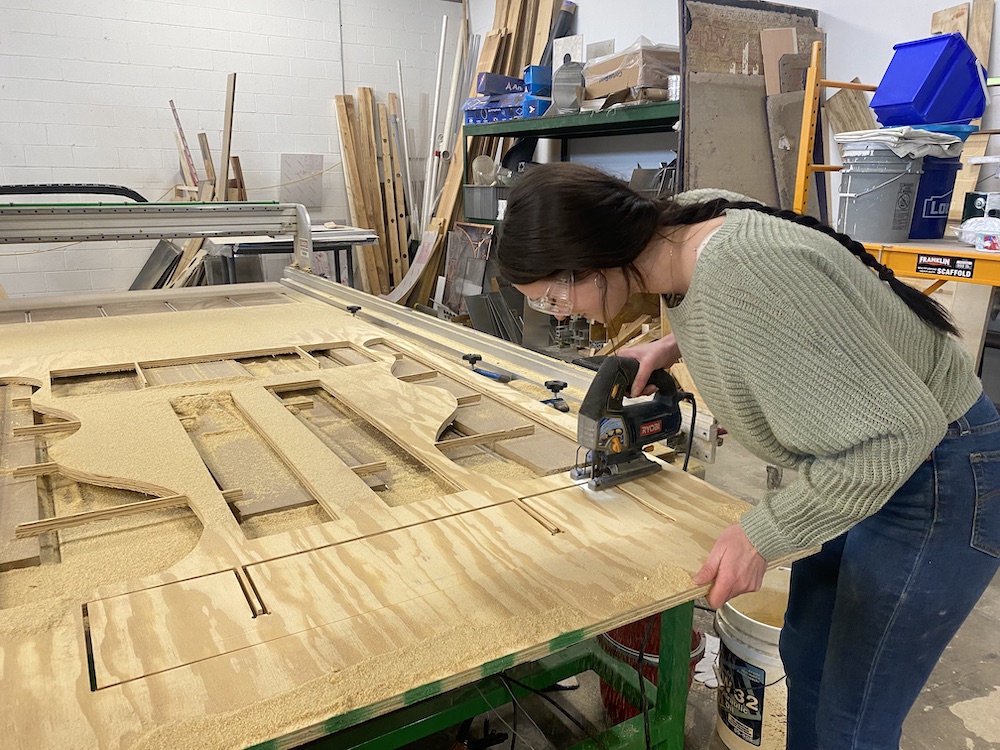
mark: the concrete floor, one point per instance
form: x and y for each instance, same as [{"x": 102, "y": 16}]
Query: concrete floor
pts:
[{"x": 959, "y": 708}]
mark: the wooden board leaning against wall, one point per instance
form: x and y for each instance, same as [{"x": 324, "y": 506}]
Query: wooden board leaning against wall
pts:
[{"x": 259, "y": 512}]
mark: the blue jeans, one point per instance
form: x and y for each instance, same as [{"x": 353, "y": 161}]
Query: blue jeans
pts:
[{"x": 871, "y": 613}]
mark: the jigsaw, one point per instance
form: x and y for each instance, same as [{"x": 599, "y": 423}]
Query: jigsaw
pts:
[{"x": 614, "y": 433}]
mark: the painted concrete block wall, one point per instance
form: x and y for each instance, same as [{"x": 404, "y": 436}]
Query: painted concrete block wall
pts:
[{"x": 85, "y": 85}]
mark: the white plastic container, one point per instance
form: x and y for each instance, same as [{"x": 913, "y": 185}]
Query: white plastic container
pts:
[{"x": 752, "y": 693}]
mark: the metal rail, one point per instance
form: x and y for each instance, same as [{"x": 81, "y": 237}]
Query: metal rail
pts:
[{"x": 71, "y": 223}]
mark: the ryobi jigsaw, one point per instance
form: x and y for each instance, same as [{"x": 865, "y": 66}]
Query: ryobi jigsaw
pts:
[{"x": 614, "y": 434}]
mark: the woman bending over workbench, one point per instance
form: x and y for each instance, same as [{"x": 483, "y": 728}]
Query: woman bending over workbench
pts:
[{"x": 815, "y": 358}]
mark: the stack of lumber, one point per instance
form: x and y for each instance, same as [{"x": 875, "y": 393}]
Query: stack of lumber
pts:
[
  {"x": 520, "y": 32},
  {"x": 216, "y": 185},
  {"x": 373, "y": 171}
]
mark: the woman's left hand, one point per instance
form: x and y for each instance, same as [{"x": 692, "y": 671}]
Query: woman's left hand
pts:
[{"x": 734, "y": 565}]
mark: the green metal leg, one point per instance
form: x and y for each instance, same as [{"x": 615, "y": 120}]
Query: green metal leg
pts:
[{"x": 667, "y": 701}]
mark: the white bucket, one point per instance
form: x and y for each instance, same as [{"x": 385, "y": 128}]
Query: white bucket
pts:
[
  {"x": 752, "y": 692},
  {"x": 877, "y": 193}
]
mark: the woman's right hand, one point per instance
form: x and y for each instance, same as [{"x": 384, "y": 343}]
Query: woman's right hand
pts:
[{"x": 656, "y": 355}]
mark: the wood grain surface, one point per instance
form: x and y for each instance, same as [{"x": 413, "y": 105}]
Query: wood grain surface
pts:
[{"x": 224, "y": 630}]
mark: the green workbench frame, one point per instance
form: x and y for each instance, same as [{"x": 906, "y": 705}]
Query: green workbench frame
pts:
[{"x": 429, "y": 710}]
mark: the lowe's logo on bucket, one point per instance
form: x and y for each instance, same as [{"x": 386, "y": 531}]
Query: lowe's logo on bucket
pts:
[{"x": 936, "y": 206}]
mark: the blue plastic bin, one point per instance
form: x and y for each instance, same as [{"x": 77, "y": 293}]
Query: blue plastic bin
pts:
[
  {"x": 930, "y": 207},
  {"x": 959, "y": 131},
  {"x": 933, "y": 80}
]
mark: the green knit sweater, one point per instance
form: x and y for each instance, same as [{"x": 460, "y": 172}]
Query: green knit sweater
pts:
[{"x": 814, "y": 364}]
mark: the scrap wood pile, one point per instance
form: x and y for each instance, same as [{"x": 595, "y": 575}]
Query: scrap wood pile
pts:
[
  {"x": 180, "y": 263},
  {"x": 520, "y": 33}
]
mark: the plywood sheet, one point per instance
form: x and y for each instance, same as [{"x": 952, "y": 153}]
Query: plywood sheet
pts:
[
  {"x": 256, "y": 630},
  {"x": 784, "y": 121},
  {"x": 728, "y": 141},
  {"x": 723, "y": 36},
  {"x": 950, "y": 20}
]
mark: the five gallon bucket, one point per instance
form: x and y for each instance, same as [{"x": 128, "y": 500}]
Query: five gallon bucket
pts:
[
  {"x": 624, "y": 643},
  {"x": 752, "y": 694},
  {"x": 930, "y": 210},
  {"x": 877, "y": 193}
]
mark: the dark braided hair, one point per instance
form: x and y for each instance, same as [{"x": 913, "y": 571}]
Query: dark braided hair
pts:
[{"x": 570, "y": 217}]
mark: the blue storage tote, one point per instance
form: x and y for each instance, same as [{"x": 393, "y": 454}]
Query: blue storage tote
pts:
[
  {"x": 933, "y": 80},
  {"x": 930, "y": 207}
]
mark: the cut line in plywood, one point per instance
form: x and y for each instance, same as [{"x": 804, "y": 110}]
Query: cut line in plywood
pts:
[
  {"x": 211, "y": 615},
  {"x": 360, "y": 445},
  {"x": 238, "y": 453}
]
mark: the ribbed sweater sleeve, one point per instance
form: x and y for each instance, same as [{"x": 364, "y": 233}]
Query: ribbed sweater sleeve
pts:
[{"x": 814, "y": 364}]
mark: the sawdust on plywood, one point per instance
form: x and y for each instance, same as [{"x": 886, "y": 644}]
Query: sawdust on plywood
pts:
[
  {"x": 451, "y": 656},
  {"x": 649, "y": 587},
  {"x": 124, "y": 549},
  {"x": 290, "y": 519}
]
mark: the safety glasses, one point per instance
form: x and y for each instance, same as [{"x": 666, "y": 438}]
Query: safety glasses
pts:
[{"x": 558, "y": 297}]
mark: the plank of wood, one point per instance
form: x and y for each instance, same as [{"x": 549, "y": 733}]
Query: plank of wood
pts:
[
  {"x": 222, "y": 182},
  {"x": 389, "y": 193},
  {"x": 396, "y": 160},
  {"x": 368, "y": 167},
  {"x": 968, "y": 176},
  {"x": 48, "y": 428},
  {"x": 547, "y": 11},
  {"x": 206, "y": 157},
  {"x": 241, "y": 187},
  {"x": 774, "y": 43},
  {"x": 34, "y": 528},
  {"x": 483, "y": 438},
  {"x": 847, "y": 110},
  {"x": 981, "y": 29},
  {"x": 35, "y": 470},
  {"x": 426, "y": 255},
  {"x": 186, "y": 159},
  {"x": 950, "y": 20},
  {"x": 186, "y": 172},
  {"x": 355, "y": 191}
]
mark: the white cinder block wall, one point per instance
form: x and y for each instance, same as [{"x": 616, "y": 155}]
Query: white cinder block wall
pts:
[{"x": 85, "y": 85}]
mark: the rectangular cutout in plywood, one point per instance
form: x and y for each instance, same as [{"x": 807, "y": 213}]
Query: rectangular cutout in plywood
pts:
[
  {"x": 91, "y": 381},
  {"x": 165, "y": 627},
  {"x": 66, "y": 313},
  {"x": 341, "y": 354},
  {"x": 239, "y": 456},
  {"x": 357, "y": 442}
]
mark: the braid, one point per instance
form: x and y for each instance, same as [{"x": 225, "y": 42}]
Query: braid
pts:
[{"x": 928, "y": 310}]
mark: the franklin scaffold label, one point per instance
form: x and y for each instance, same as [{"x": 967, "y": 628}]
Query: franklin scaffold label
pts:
[
  {"x": 741, "y": 696},
  {"x": 941, "y": 265}
]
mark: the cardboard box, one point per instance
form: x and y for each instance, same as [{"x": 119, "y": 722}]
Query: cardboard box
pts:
[
  {"x": 644, "y": 65},
  {"x": 483, "y": 109},
  {"x": 494, "y": 84},
  {"x": 535, "y": 106}
]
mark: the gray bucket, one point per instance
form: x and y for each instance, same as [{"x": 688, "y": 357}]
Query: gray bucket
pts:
[{"x": 877, "y": 193}]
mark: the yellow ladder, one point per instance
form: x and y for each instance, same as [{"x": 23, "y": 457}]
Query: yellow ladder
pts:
[{"x": 807, "y": 139}]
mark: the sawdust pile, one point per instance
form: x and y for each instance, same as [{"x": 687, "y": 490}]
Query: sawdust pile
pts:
[{"x": 372, "y": 683}]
